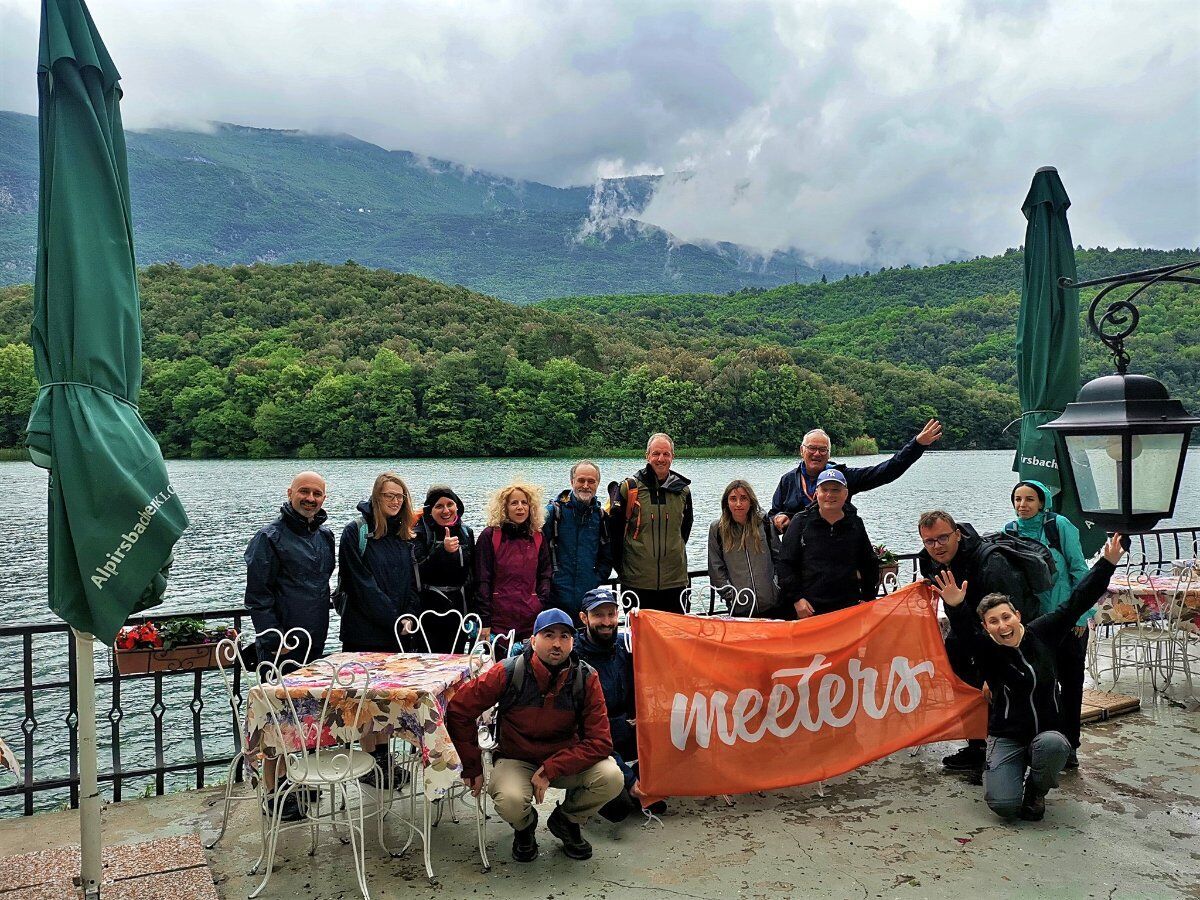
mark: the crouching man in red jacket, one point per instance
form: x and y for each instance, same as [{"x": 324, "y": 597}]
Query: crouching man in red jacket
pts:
[{"x": 553, "y": 733}]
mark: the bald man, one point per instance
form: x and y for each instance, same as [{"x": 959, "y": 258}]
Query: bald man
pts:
[{"x": 288, "y": 565}]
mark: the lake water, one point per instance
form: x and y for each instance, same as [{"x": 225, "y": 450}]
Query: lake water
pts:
[{"x": 228, "y": 501}]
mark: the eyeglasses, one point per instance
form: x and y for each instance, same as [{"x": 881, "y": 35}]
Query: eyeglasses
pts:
[
  {"x": 940, "y": 541},
  {"x": 392, "y": 497},
  {"x": 824, "y": 451}
]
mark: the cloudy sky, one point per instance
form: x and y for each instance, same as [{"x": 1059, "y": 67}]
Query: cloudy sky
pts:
[{"x": 859, "y": 130}]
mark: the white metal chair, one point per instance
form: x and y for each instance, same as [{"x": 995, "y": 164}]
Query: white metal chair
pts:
[
  {"x": 890, "y": 583},
  {"x": 739, "y": 602},
  {"x": 470, "y": 628},
  {"x": 229, "y": 660},
  {"x": 334, "y": 770},
  {"x": 1156, "y": 640}
]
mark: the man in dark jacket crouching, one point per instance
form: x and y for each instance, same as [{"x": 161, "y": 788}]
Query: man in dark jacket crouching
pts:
[{"x": 553, "y": 733}]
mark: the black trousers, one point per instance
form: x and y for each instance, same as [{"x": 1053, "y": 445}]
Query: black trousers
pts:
[
  {"x": 664, "y": 601},
  {"x": 1070, "y": 660}
]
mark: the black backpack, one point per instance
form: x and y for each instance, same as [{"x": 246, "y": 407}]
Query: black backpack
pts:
[
  {"x": 517, "y": 667},
  {"x": 1049, "y": 528},
  {"x": 1032, "y": 559}
]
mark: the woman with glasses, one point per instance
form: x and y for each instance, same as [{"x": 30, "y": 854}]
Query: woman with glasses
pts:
[
  {"x": 446, "y": 565},
  {"x": 376, "y": 569},
  {"x": 743, "y": 551}
]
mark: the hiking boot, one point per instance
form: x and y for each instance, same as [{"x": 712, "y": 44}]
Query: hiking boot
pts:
[
  {"x": 1072, "y": 760},
  {"x": 969, "y": 759},
  {"x": 619, "y": 807},
  {"x": 394, "y": 772},
  {"x": 1033, "y": 804},
  {"x": 291, "y": 806},
  {"x": 525, "y": 847},
  {"x": 568, "y": 832}
]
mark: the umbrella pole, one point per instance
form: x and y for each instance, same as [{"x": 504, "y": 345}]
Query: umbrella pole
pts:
[{"x": 89, "y": 794}]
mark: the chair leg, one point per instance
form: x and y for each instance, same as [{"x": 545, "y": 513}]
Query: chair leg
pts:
[
  {"x": 426, "y": 839},
  {"x": 228, "y": 799},
  {"x": 357, "y": 847},
  {"x": 273, "y": 837},
  {"x": 481, "y": 827}
]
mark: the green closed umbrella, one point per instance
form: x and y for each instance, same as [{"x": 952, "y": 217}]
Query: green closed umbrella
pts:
[
  {"x": 1048, "y": 346},
  {"x": 113, "y": 514}
]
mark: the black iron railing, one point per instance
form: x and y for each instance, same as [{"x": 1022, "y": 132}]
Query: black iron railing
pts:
[{"x": 49, "y": 695}]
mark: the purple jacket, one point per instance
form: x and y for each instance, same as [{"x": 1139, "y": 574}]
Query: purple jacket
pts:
[{"x": 514, "y": 577}]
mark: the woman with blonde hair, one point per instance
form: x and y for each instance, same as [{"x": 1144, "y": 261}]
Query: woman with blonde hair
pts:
[
  {"x": 376, "y": 570},
  {"x": 743, "y": 550},
  {"x": 512, "y": 563}
]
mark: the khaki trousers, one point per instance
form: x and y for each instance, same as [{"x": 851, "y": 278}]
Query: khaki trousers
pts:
[{"x": 511, "y": 789}]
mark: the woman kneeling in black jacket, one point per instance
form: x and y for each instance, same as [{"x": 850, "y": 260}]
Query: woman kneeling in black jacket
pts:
[{"x": 1018, "y": 665}]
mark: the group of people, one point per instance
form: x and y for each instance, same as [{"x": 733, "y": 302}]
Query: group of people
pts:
[{"x": 538, "y": 570}]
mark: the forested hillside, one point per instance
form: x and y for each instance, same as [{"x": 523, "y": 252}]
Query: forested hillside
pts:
[
  {"x": 343, "y": 360},
  {"x": 246, "y": 195}
]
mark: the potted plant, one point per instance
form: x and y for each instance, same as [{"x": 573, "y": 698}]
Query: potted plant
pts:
[
  {"x": 889, "y": 564},
  {"x": 174, "y": 646}
]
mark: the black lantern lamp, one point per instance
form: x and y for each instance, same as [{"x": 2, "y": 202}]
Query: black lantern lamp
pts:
[{"x": 1126, "y": 438}]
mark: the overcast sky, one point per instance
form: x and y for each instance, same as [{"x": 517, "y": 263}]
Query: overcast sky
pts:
[{"x": 859, "y": 130}]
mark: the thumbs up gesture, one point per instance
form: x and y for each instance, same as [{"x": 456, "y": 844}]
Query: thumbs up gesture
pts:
[{"x": 450, "y": 542}]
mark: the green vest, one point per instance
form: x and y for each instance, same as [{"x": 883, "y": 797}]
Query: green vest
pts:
[{"x": 654, "y": 556}]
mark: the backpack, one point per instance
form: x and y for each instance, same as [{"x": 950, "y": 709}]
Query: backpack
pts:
[
  {"x": 537, "y": 541},
  {"x": 1049, "y": 528},
  {"x": 339, "y": 596},
  {"x": 631, "y": 502},
  {"x": 516, "y": 668},
  {"x": 1032, "y": 559}
]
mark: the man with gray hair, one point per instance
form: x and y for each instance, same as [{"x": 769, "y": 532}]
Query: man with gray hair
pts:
[
  {"x": 576, "y": 531},
  {"x": 798, "y": 488},
  {"x": 650, "y": 518}
]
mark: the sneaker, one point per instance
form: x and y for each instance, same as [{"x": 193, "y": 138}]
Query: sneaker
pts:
[
  {"x": 568, "y": 832},
  {"x": 525, "y": 848},
  {"x": 1033, "y": 804},
  {"x": 1072, "y": 760},
  {"x": 969, "y": 759},
  {"x": 658, "y": 807}
]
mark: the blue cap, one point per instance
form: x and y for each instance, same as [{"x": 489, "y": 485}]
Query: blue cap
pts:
[
  {"x": 548, "y": 617},
  {"x": 598, "y": 597},
  {"x": 832, "y": 475}
]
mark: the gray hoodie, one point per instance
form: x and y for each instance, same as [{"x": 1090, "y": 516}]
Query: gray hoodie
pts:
[{"x": 736, "y": 569}]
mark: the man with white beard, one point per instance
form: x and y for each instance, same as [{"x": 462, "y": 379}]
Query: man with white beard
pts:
[{"x": 577, "y": 533}]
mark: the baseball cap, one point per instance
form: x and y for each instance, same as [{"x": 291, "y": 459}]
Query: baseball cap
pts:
[
  {"x": 548, "y": 617},
  {"x": 832, "y": 475},
  {"x": 598, "y": 597}
]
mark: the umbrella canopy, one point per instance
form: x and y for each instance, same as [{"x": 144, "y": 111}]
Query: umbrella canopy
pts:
[
  {"x": 113, "y": 515},
  {"x": 1048, "y": 346}
]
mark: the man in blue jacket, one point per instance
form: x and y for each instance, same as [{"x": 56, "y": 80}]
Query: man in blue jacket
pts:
[
  {"x": 577, "y": 533},
  {"x": 600, "y": 645},
  {"x": 288, "y": 565},
  {"x": 797, "y": 489}
]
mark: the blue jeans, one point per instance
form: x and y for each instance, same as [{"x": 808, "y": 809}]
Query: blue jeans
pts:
[{"x": 1007, "y": 759}]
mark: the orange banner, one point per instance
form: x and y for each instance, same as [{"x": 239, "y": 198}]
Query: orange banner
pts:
[{"x": 729, "y": 706}]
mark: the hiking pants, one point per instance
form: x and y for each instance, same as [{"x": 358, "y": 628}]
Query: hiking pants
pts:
[
  {"x": 511, "y": 789},
  {"x": 1004, "y": 777},
  {"x": 1070, "y": 661}
]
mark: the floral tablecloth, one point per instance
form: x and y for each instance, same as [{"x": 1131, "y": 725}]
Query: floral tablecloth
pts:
[
  {"x": 8, "y": 759},
  {"x": 407, "y": 695},
  {"x": 1152, "y": 595}
]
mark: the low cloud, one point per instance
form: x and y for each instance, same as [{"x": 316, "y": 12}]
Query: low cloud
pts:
[{"x": 858, "y": 130}]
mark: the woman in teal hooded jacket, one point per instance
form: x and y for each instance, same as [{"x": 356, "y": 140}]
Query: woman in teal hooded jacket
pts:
[{"x": 1036, "y": 519}]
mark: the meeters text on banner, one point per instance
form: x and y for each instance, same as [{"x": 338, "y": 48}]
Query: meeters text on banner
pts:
[{"x": 729, "y": 706}]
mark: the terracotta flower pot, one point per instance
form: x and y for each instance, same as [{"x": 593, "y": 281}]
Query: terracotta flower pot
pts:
[{"x": 177, "y": 659}]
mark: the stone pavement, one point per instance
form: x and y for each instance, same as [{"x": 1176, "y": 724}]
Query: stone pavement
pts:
[{"x": 1126, "y": 825}]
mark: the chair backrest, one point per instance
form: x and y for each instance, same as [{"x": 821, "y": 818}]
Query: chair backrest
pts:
[
  {"x": 287, "y": 643},
  {"x": 629, "y": 602},
  {"x": 229, "y": 660},
  {"x": 890, "y": 582},
  {"x": 340, "y": 716},
  {"x": 466, "y": 635},
  {"x": 1180, "y": 586},
  {"x": 685, "y": 601}
]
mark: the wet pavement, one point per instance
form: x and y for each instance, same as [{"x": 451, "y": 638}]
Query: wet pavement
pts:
[{"x": 1127, "y": 824}]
